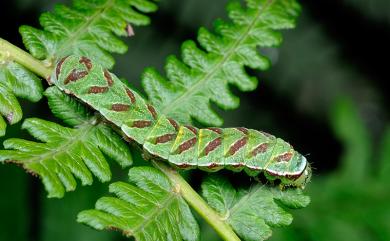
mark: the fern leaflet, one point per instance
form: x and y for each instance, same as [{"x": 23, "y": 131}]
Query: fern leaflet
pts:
[
  {"x": 15, "y": 81},
  {"x": 149, "y": 209},
  {"x": 88, "y": 28},
  {"x": 65, "y": 151},
  {"x": 253, "y": 212},
  {"x": 202, "y": 76}
]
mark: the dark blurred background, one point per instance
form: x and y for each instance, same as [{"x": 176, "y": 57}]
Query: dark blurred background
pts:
[{"x": 327, "y": 94}]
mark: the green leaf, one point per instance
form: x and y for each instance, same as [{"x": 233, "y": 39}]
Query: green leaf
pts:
[
  {"x": 384, "y": 158},
  {"x": 148, "y": 208},
  {"x": 87, "y": 28},
  {"x": 252, "y": 212},
  {"x": 349, "y": 204},
  {"x": 66, "y": 107},
  {"x": 16, "y": 81},
  {"x": 3, "y": 126},
  {"x": 66, "y": 153},
  {"x": 350, "y": 129},
  {"x": 204, "y": 75}
]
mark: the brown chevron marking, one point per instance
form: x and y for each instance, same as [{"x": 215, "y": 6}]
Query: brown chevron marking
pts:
[
  {"x": 141, "y": 124},
  {"x": 59, "y": 66},
  {"x": 213, "y": 165},
  {"x": 108, "y": 77},
  {"x": 243, "y": 130},
  {"x": 238, "y": 145},
  {"x": 174, "y": 124},
  {"x": 131, "y": 95},
  {"x": 184, "y": 165},
  {"x": 286, "y": 157},
  {"x": 165, "y": 138},
  {"x": 212, "y": 145},
  {"x": 87, "y": 62},
  {"x": 152, "y": 111},
  {"x": 260, "y": 149},
  {"x": 187, "y": 145},
  {"x": 128, "y": 139},
  {"x": 192, "y": 129},
  {"x": 97, "y": 90},
  {"x": 216, "y": 130},
  {"x": 75, "y": 75},
  {"x": 120, "y": 107},
  {"x": 294, "y": 176}
]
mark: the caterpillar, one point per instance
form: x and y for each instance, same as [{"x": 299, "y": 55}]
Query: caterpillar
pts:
[{"x": 183, "y": 146}]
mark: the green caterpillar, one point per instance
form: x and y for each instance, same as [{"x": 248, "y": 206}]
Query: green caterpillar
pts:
[{"x": 209, "y": 149}]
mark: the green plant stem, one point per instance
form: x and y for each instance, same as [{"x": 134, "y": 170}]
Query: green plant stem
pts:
[
  {"x": 197, "y": 202},
  {"x": 11, "y": 52}
]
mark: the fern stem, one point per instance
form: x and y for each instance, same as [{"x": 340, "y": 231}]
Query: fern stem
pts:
[
  {"x": 197, "y": 202},
  {"x": 11, "y": 52}
]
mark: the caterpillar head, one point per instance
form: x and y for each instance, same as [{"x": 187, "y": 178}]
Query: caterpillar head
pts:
[
  {"x": 300, "y": 180},
  {"x": 304, "y": 178}
]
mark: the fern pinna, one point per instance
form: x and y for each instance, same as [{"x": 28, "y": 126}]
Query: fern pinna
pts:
[
  {"x": 88, "y": 27},
  {"x": 209, "y": 149}
]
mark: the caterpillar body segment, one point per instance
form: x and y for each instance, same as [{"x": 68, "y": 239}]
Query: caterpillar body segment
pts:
[{"x": 210, "y": 149}]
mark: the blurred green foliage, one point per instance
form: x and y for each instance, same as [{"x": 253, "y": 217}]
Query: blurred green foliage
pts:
[
  {"x": 352, "y": 202},
  {"x": 314, "y": 83}
]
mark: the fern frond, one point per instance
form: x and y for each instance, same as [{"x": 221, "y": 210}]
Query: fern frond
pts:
[
  {"x": 149, "y": 208},
  {"x": 67, "y": 108},
  {"x": 16, "y": 81},
  {"x": 253, "y": 212},
  {"x": 66, "y": 152},
  {"x": 205, "y": 72},
  {"x": 88, "y": 28}
]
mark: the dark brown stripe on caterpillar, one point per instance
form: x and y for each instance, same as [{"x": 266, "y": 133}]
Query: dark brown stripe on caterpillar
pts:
[
  {"x": 260, "y": 149},
  {"x": 216, "y": 130},
  {"x": 187, "y": 145},
  {"x": 75, "y": 75},
  {"x": 120, "y": 107},
  {"x": 131, "y": 95},
  {"x": 152, "y": 111},
  {"x": 286, "y": 157},
  {"x": 174, "y": 124},
  {"x": 97, "y": 90},
  {"x": 184, "y": 165},
  {"x": 213, "y": 166},
  {"x": 87, "y": 62},
  {"x": 165, "y": 138},
  {"x": 238, "y": 145},
  {"x": 212, "y": 145},
  {"x": 59, "y": 66},
  {"x": 243, "y": 130},
  {"x": 141, "y": 124},
  {"x": 192, "y": 129},
  {"x": 108, "y": 78}
]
